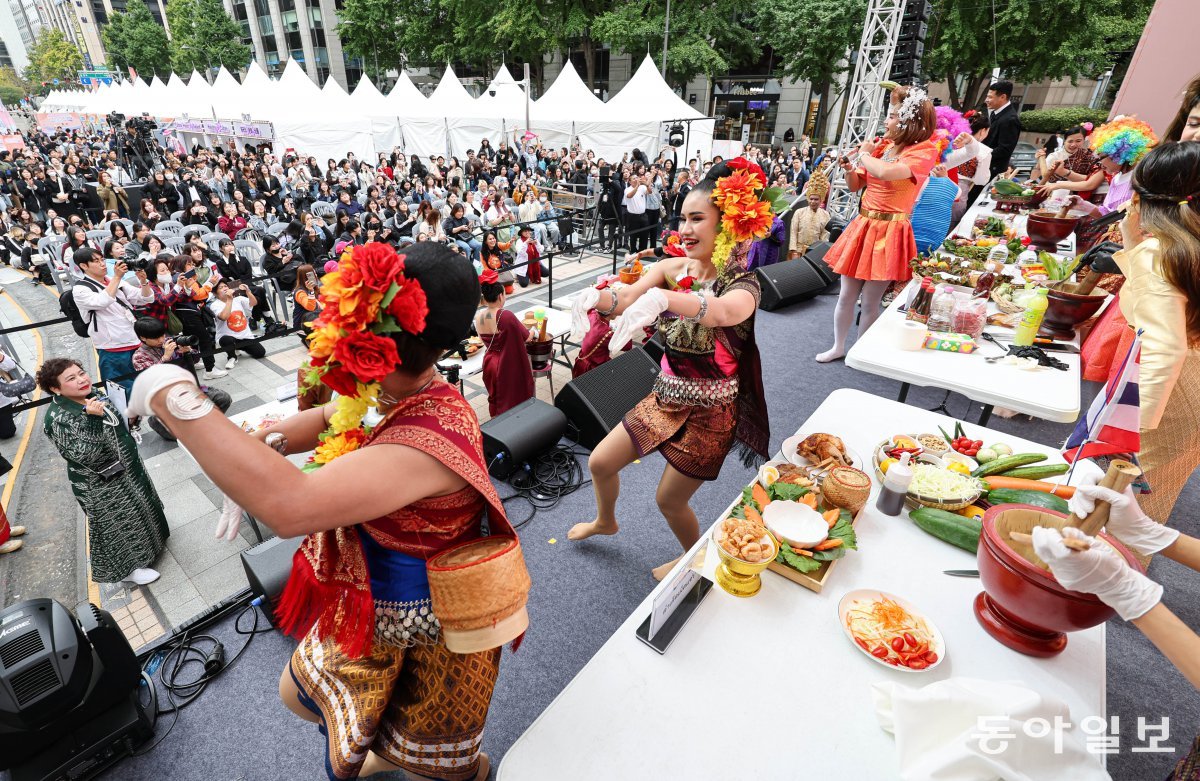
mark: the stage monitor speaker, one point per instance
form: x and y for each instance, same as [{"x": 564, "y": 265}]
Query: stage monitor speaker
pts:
[
  {"x": 789, "y": 282},
  {"x": 655, "y": 348},
  {"x": 596, "y": 401},
  {"x": 816, "y": 256},
  {"x": 268, "y": 566},
  {"x": 519, "y": 434}
]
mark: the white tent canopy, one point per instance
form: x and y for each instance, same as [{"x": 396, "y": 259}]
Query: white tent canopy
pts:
[{"x": 326, "y": 122}]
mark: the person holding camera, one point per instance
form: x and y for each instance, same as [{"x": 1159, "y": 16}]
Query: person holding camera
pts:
[
  {"x": 127, "y": 529},
  {"x": 232, "y": 308},
  {"x": 159, "y": 347},
  {"x": 107, "y": 304}
]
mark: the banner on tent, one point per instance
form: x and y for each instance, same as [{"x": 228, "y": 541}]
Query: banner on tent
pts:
[
  {"x": 216, "y": 127},
  {"x": 6, "y": 121},
  {"x": 53, "y": 120},
  {"x": 189, "y": 125},
  {"x": 12, "y": 142},
  {"x": 260, "y": 130}
]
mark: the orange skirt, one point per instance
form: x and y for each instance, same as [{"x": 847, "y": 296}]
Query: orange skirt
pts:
[{"x": 874, "y": 250}]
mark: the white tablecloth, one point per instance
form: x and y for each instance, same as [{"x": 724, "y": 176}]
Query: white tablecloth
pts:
[
  {"x": 770, "y": 687},
  {"x": 1045, "y": 393}
]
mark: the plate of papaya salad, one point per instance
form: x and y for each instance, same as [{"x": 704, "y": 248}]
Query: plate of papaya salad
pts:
[{"x": 890, "y": 631}]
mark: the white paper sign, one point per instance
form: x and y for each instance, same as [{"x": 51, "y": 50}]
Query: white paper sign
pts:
[{"x": 669, "y": 598}]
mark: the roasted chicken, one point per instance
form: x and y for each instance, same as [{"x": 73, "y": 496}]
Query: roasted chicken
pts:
[{"x": 818, "y": 448}]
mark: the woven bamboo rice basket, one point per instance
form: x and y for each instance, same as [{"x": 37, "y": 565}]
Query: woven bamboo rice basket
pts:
[
  {"x": 479, "y": 590},
  {"x": 846, "y": 487}
]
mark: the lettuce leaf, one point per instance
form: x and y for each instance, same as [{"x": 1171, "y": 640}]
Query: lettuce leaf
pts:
[
  {"x": 842, "y": 530},
  {"x": 795, "y": 560},
  {"x": 788, "y": 492}
]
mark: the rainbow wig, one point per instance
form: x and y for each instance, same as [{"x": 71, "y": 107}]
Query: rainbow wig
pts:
[{"x": 1124, "y": 140}]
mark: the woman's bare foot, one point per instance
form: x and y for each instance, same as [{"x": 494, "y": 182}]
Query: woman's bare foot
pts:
[
  {"x": 831, "y": 355},
  {"x": 663, "y": 570},
  {"x": 581, "y": 531}
]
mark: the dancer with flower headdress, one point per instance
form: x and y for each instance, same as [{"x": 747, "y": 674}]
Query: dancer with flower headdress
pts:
[
  {"x": 875, "y": 249},
  {"x": 709, "y": 393},
  {"x": 388, "y": 671}
]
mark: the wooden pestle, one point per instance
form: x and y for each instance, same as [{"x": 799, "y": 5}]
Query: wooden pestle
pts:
[
  {"x": 1062, "y": 213},
  {"x": 1088, "y": 283},
  {"x": 1120, "y": 476}
]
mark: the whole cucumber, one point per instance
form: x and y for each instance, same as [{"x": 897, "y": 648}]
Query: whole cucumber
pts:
[
  {"x": 1035, "y": 498},
  {"x": 1038, "y": 472},
  {"x": 949, "y": 527},
  {"x": 1001, "y": 465}
]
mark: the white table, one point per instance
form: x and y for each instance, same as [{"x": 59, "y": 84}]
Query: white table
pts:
[
  {"x": 986, "y": 207},
  {"x": 1046, "y": 393},
  {"x": 715, "y": 706}
]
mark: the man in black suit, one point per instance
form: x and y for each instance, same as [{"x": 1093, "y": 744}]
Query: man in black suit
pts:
[{"x": 1004, "y": 125}]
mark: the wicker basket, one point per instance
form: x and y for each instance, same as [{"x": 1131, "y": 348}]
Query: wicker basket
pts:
[
  {"x": 943, "y": 504},
  {"x": 479, "y": 590},
  {"x": 1007, "y": 305},
  {"x": 846, "y": 487}
]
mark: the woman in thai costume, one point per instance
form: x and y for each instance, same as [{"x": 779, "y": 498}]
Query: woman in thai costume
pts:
[
  {"x": 372, "y": 668},
  {"x": 507, "y": 373},
  {"x": 877, "y": 246},
  {"x": 709, "y": 393},
  {"x": 1078, "y": 173}
]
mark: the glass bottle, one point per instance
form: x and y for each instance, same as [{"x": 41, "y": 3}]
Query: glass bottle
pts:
[{"x": 918, "y": 310}]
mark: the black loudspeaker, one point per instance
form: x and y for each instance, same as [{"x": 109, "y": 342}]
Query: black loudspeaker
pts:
[
  {"x": 789, "y": 282},
  {"x": 523, "y": 432},
  {"x": 268, "y": 566},
  {"x": 816, "y": 256},
  {"x": 655, "y": 348},
  {"x": 596, "y": 401}
]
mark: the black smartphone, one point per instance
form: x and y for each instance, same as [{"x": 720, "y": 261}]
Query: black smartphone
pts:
[{"x": 190, "y": 274}]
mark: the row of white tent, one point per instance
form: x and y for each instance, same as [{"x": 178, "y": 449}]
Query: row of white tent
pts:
[{"x": 327, "y": 122}]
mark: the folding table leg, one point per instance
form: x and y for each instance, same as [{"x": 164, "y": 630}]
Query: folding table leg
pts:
[
  {"x": 904, "y": 386},
  {"x": 985, "y": 415}
]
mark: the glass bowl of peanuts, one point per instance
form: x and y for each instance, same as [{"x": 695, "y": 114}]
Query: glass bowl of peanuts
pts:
[{"x": 745, "y": 549}]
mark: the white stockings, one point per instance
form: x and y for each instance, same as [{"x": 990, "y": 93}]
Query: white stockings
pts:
[{"x": 871, "y": 293}]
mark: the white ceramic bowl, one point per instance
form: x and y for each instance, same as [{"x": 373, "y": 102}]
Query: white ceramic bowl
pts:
[
  {"x": 937, "y": 643},
  {"x": 796, "y": 523},
  {"x": 937, "y": 451},
  {"x": 953, "y": 456}
]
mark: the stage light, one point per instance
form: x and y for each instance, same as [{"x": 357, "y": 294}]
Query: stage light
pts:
[
  {"x": 675, "y": 135},
  {"x": 69, "y": 705}
]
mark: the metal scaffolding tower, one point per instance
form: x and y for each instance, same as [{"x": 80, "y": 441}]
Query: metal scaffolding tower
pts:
[{"x": 865, "y": 104}]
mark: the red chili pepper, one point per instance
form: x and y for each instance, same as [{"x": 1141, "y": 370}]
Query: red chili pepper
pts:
[
  {"x": 863, "y": 643},
  {"x": 912, "y": 641},
  {"x": 880, "y": 652},
  {"x": 897, "y": 644}
]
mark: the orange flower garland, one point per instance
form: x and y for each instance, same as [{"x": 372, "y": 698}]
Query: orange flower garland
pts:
[
  {"x": 367, "y": 298},
  {"x": 747, "y": 207}
]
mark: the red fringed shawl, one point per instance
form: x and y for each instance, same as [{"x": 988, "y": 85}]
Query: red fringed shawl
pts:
[{"x": 330, "y": 585}]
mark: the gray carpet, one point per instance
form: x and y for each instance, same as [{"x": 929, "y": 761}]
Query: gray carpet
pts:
[{"x": 238, "y": 729}]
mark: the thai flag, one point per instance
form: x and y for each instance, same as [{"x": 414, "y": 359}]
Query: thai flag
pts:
[{"x": 1112, "y": 424}]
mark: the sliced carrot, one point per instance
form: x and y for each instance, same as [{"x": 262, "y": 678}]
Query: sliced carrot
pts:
[
  {"x": 801, "y": 551},
  {"x": 1024, "y": 484},
  {"x": 832, "y": 517},
  {"x": 759, "y": 494},
  {"x": 828, "y": 544},
  {"x": 752, "y": 514},
  {"x": 810, "y": 499}
]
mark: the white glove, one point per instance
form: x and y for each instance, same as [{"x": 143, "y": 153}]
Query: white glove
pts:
[
  {"x": 1126, "y": 521},
  {"x": 641, "y": 313},
  {"x": 584, "y": 302},
  {"x": 230, "y": 520},
  {"x": 1098, "y": 570},
  {"x": 150, "y": 382}
]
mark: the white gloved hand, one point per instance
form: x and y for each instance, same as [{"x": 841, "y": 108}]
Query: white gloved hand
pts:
[
  {"x": 152, "y": 381},
  {"x": 1126, "y": 521},
  {"x": 585, "y": 301},
  {"x": 230, "y": 520},
  {"x": 641, "y": 313},
  {"x": 1098, "y": 570}
]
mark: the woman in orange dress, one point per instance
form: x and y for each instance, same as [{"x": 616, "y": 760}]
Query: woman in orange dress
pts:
[{"x": 875, "y": 249}]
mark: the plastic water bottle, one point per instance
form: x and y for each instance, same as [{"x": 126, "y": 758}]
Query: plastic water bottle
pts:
[
  {"x": 1031, "y": 318},
  {"x": 998, "y": 254}
]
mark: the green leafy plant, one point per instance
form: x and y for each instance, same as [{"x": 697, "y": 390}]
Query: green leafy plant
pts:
[{"x": 1056, "y": 120}]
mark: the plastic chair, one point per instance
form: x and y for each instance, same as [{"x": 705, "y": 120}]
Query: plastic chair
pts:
[
  {"x": 252, "y": 252},
  {"x": 97, "y": 238},
  {"x": 177, "y": 216},
  {"x": 173, "y": 242},
  {"x": 323, "y": 209},
  {"x": 213, "y": 240},
  {"x": 127, "y": 223},
  {"x": 170, "y": 228},
  {"x": 276, "y": 228}
]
